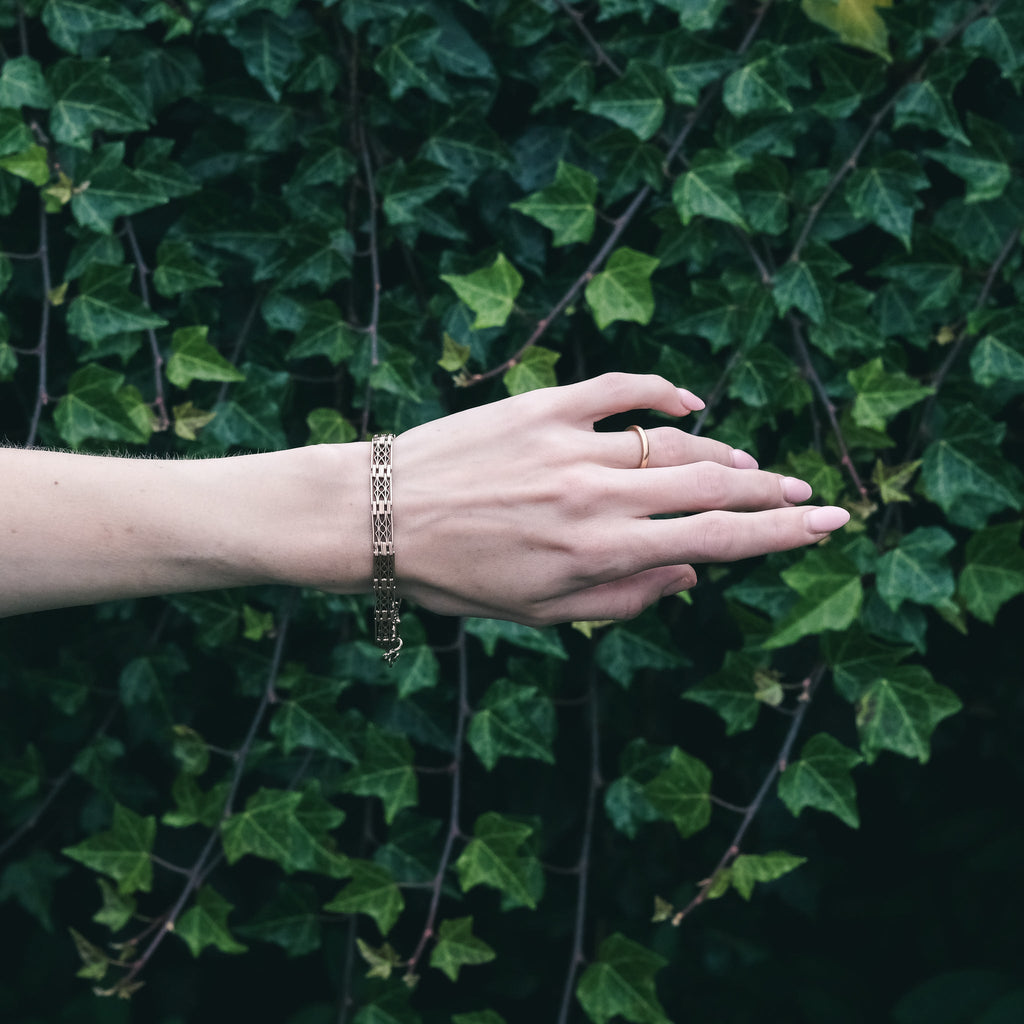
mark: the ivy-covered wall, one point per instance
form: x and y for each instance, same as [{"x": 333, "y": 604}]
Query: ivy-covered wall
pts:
[{"x": 251, "y": 224}]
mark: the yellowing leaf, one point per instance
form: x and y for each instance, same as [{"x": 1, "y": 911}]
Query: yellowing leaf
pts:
[{"x": 856, "y": 21}]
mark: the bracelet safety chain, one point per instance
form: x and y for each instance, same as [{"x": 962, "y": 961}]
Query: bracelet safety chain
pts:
[{"x": 385, "y": 587}]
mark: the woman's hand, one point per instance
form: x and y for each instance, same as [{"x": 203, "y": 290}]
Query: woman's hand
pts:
[{"x": 520, "y": 510}]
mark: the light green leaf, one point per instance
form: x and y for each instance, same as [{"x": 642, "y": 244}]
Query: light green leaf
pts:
[
  {"x": 123, "y": 852},
  {"x": 994, "y": 571},
  {"x": 900, "y": 711},
  {"x": 372, "y": 891},
  {"x": 856, "y": 21},
  {"x": 490, "y": 292},
  {"x": 194, "y": 358},
  {"x": 458, "y": 947},
  {"x": 533, "y": 370},
  {"x": 385, "y": 770},
  {"x": 493, "y": 857},
  {"x": 830, "y": 596},
  {"x": 749, "y": 869},
  {"x": 265, "y": 828},
  {"x": 328, "y": 426},
  {"x": 206, "y": 924},
  {"x": 566, "y": 206},
  {"x": 916, "y": 570},
  {"x": 32, "y": 164},
  {"x": 633, "y": 101},
  {"x": 620, "y": 982},
  {"x": 622, "y": 291},
  {"x": 512, "y": 721},
  {"x": 117, "y": 909},
  {"x": 821, "y": 779},
  {"x": 707, "y": 189},
  {"x": 881, "y": 394},
  {"x": 681, "y": 792}
]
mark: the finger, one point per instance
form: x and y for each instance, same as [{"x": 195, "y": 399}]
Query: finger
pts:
[
  {"x": 611, "y": 393},
  {"x": 670, "y": 446},
  {"x": 727, "y": 536},
  {"x": 622, "y": 598},
  {"x": 706, "y": 486}
]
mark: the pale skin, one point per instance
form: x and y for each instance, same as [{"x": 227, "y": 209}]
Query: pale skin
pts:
[{"x": 516, "y": 510}]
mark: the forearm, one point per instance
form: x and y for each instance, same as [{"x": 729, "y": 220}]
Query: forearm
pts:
[{"x": 77, "y": 529}]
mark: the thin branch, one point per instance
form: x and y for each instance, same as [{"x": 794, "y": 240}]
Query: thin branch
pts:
[
  {"x": 454, "y": 832},
  {"x": 241, "y": 339},
  {"x": 371, "y": 192},
  {"x": 42, "y": 349},
  {"x": 810, "y": 686},
  {"x": 583, "y": 866},
  {"x": 599, "y": 52}
]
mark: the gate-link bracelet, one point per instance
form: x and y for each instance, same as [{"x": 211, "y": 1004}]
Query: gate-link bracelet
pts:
[{"x": 385, "y": 587}]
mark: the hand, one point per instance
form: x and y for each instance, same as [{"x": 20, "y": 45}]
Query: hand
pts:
[{"x": 520, "y": 510}]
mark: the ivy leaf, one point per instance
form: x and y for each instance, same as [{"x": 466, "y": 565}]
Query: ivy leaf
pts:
[
  {"x": 900, "y": 711},
  {"x": 458, "y": 947},
  {"x": 382, "y": 961},
  {"x": 206, "y": 924},
  {"x": 71, "y": 22},
  {"x": 892, "y": 481},
  {"x": 830, "y": 590},
  {"x": 857, "y": 660},
  {"x": 998, "y": 358},
  {"x": 681, "y": 792},
  {"x": 123, "y": 852},
  {"x": 821, "y": 779},
  {"x": 325, "y": 332},
  {"x": 566, "y": 206},
  {"x": 513, "y": 721},
  {"x": 622, "y": 291},
  {"x": 99, "y": 405},
  {"x": 762, "y": 84},
  {"x": 707, "y": 189},
  {"x": 110, "y": 190},
  {"x": 856, "y": 21},
  {"x": 732, "y": 691},
  {"x": 928, "y": 101},
  {"x": 264, "y": 828},
  {"x": 749, "y": 869},
  {"x": 994, "y": 570},
  {"x": 798, "y": 285},
  {"x": 178, "y": 271},
  {"x": 31, "y": 163},
  {"x": 623, "y": 652},
  {"x": 407, "y": 61},
  {"x": 291, "y": 920},
  {"x": 372, "y": 891},
  {"x": 915, "y": 570},
  {"x": 689, "y": 63},
  {"x": 490, "y": 631},
  {"x": 881, "y": 394},
  {"x": 884, "y": 194},
  {"x": 490, "y": 292},
  {"x": 87, "y": 98},
  {"x": 633, "y": 101},
  {"x": 117, "y": 910},
  {"x": 194, "y": 358},
  {"x": 533, "y": 370},
  {"x": 384, "y": 770},
  {"x": 269, "y": 48},
  {"x": 105, "y": 306},
  {"x": 493, "y": 857},
  {"x": 620, "y": 982},
  {"x": 22, "y": 84}
]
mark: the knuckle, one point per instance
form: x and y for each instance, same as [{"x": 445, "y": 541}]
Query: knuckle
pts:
[
  {"x": 711, "y": 483},
  {"x": 717, "y": 537}
]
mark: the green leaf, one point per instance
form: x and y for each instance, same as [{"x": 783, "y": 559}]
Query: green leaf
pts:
[
  {"x": 110, "y": 189},
  {"x": 205, "y": 923},
  {"x": 98, "y": 405},
  {"x": 900, "y": 711},
  {"x": 71, "y": 22},
  {"x": 105, "y": 306},
  {"x": 178, "y": 271},
  {"x": 88, "y": 98},
  {"x": 385, "y": 770},
  {"x": 708, "y": 189},
  {"x": 857, "y": 22},
  {"x": 32, "y": 164},
  {"x": 328, "y": 426},
  {"x": 533, "y": 370},
  {"x": 761, "y": 86},
  {"x": 749, "y": 869},
  {"x": 31, "y": 881},
  {"x": 633, "y": 101},
  {"x": 821, "y": 779},
  {"x": 830, "y": 590},
  {"x": 799, "y": 285},
  {"x": 732, "y": 692},
  {"x": 623, "y": 652},
  {"x": 566, "y": 206},
  {"x": 512, "y": 721},
  {"x": 123, "y": 852},
  {"x": 190, "y": 750},
  {"x": 194, "y": 358},
  {"x": 22, "y": 84},
  {"x": 291, "y": 920},
  {"x": 927, "y": 101},
  {"x": 681, "y": 793},
  {"x": 622, "y": 291},
  {"x": 458, "y": 947},
  {"x": 998, "y": 357},
  {"x": 269, "y": 48},
  {"x": 324, "y": 333},
  {"x": 916, "y": 570},
  {"x": 490, "y": 292},
  {"x": 994, "y": 570},
  {"x": 407, "y": 61},
  {"x": 620, "y": 982},
  {"x": 372, "y": 891},
  {"x": 490, "y": 631},
  {"x": 689, "y": 63},
  {"x": 884, "y": 194},
  {"x": 117, "y": 909},
  {"x": 493, "y": 857},
  {"x": 266, "y": 828}
]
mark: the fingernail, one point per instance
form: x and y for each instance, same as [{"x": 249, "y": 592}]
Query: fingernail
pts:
[
  {"x": 741, "y": 460},
  {"x": 690, "y": 400},
  {"x": 795, "y": 490},
  {"x": 825, "y": 519}
]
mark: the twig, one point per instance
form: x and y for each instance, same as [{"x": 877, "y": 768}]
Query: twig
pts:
[
  {"x": 810, "y": 685},
  {"x": 599, "y": 51},
  {"x": 42, "y": 349}
]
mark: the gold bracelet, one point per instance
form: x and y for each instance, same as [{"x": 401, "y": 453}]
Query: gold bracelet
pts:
[{"x": 385, "y": 587}]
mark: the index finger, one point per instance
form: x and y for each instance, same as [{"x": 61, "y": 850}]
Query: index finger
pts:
[{"x": 611, "y": 393}]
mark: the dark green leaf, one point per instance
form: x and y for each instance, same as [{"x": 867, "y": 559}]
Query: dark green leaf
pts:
[
  {"x": 384, "y": 770},
  {"x": 205, "y": 923},
  {"x": 493, "y": 857},
  {"x": 512, "y": 721},
  {"x": 821, "y": 779},
  {"x": 681, "y": 792},
  {"x": 994, "y": 571},
  {"x": 372, "y": 891},
  {"x": 620, "y": 982},
  {"x": 916, "y": 570},
  {"x": 458, "y": 947}
]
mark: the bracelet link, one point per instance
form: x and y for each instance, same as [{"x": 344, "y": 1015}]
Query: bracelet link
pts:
[{"x": 385, "y": 587}]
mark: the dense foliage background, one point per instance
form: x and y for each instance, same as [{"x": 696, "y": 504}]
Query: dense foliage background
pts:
[{"x": 237, "y": 225}]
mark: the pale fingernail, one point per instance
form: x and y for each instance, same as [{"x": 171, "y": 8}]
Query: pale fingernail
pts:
[
  {"x": 690, "y": 400},
  {"x": 741, "y": 460},
  {"x": 825, "y": 519},
  {"x": 795, "y": 490}
]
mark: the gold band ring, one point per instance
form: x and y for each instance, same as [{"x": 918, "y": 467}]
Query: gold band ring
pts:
[{"x": 645, "y": 450}]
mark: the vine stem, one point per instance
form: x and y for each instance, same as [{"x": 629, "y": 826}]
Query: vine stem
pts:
[
  {"x": 454, "y": 832},
  {"x": 808, "y": 689},
  {"x": 599, "y": 51},
  {"x": 208, "y": 858},
  {"x": 42, "y": 349},
  {"x": 582, "y": 869}
]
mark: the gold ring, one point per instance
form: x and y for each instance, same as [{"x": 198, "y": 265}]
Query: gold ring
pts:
[{"x": 645, "y": 450}]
